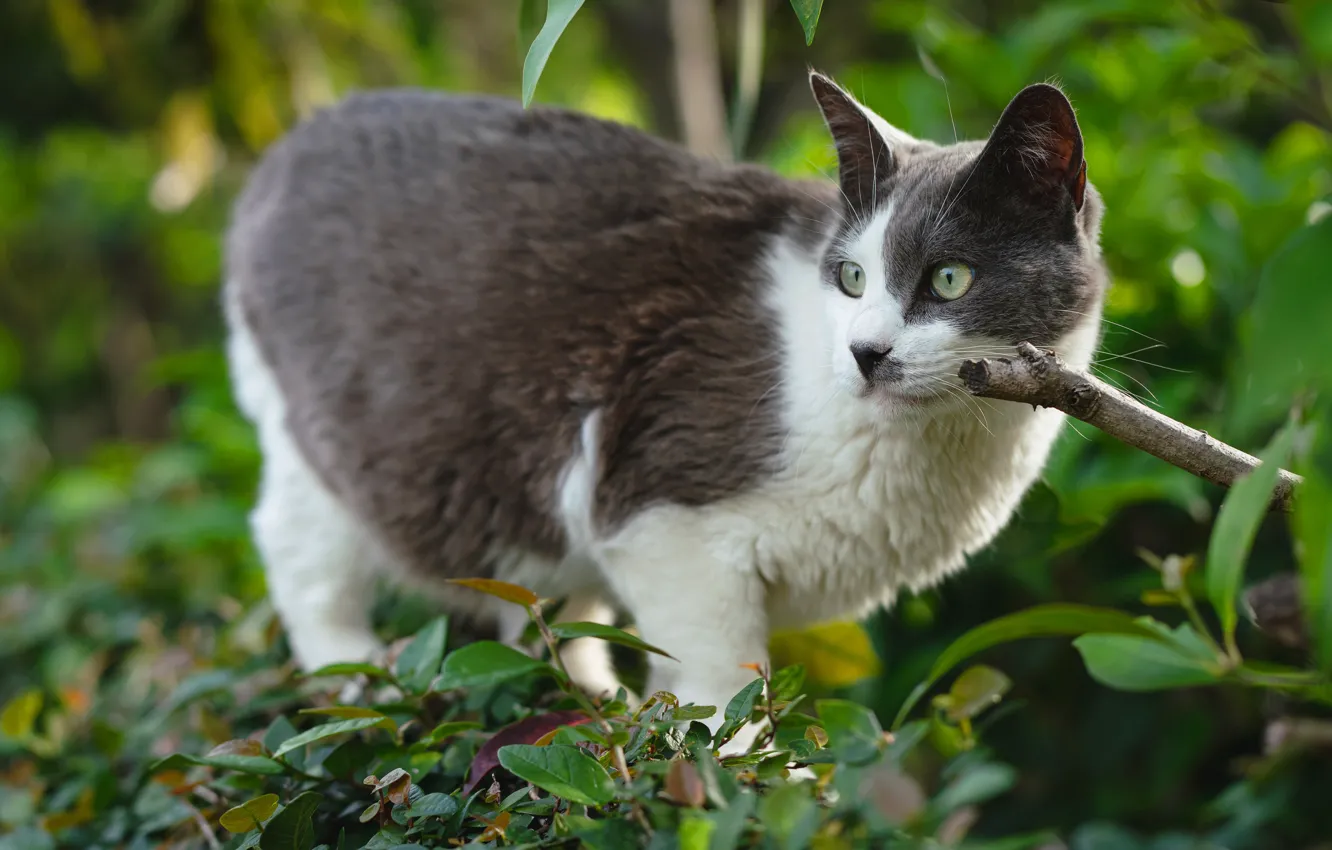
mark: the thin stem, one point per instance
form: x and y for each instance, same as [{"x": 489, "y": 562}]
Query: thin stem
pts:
[{"x": 617, "y": 752}]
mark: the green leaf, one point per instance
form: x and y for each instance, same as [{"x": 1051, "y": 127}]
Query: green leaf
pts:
[
  {"x": 1132, "y": 663},
  {"x": 293, "y": 827},
  {"x": 787, "y": 682},
  {"x": 257, "y": 765},
  {"x": 349, "y": 669},
  {"x": 738, "y": 710},
  {"x": 569, "y": 631},
  {"x": 328, "y": 730},
  {"x": 20, "y": 714},
  {"x": 448, "y": 730},
  {"x": 343, "y": 711},
  {"x": 433, "y": 806},
  {"x": 974, "y": 787},
  {"x": 1286, "y": 349},
  {"x": 564, "y": 771},
  {"x": 418, "y": 665},
  {"x": 1236, "y": 526},
  {"x": 693, "y": 712},
  {"x": 975, "y": 690},
  {"x": 1313, "y": 533},
  {"x": 1040, "y": 621},
  {"x": 249, "y": 815},
  {"x": 808, "y": 12},
  {"x": 789, "y": 816},
  {"x": 558, "y": 15},
  {"x": 854, "y": 734},
  {"x": 486, "y": 663}
]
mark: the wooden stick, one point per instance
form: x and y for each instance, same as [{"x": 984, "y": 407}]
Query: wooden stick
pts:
[{"x": 1040, "y": 378}]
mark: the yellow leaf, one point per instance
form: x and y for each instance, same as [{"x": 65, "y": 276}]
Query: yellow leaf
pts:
[
  {"x": 835, "y": 655},
  {"x": 77, "y": 816},
  {"x": 19, "y": 715},
  {"x": 499, "y": 589},
  {"x": 249, "y": 815}
]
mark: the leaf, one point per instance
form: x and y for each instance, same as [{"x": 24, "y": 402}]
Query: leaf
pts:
[
  {"x": 564, "y": 771},
  {"x": 1040, "y": 621},
  {"x": 807, "y": 11},
  {"x": 433, "y": 806},
  {"x": 558, "y": 15},
  {"x": 500, "y": 590},
  {"x": 834, "y": 655},
  {"x": 418, "y": 665},
  {"x": 569, "y": 631},
  {"x": 974, "y": 787},
  {"x": 249, "y": 815},
  {"x": 293, "y": 827},
  {"x": 448, "y": 729},
  {"x": 975, "y": 690},
  {"x": 1236, "y": 526},
  {"x": 20, "y": 714},
  {"x": 1286, "y": 352},
  {"x": 788, "y": 682},
  {"x": 258, "y": 765},
  {"x": 525, "y": 731},
  {"x": 684, "y": 785},
  {"x": 738, "y": 710},
  {"x": 1313, "y": 532},
  {"x": 328, "y": 730},
  {"x": 343, "y": 668},
  {"x": 854, "y": 734},
  {"x": 693, "y": 712},
  {"x": 1132, "y": 663},
  {"x": 343, "y": 711},
  {"x": 486, "y": 663}
]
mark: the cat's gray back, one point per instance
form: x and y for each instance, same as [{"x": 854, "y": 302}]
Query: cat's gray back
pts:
[{"x": 444, "y": 287}]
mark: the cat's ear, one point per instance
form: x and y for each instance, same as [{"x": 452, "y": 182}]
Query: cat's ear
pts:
[
  {"x": 865, "y": 143},
  {"x": 1037, "y": 145}
]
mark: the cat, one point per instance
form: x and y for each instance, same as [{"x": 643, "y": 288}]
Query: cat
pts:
[{"x": 478, "y": 340}]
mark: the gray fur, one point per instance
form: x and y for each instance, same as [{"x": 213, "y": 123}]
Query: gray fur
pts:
[{"x": 445, "y": 286}]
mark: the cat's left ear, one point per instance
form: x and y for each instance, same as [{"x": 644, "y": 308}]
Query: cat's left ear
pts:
[
  {"x": 1037, "y": 143},
  {"x": 868, "y": 148}
]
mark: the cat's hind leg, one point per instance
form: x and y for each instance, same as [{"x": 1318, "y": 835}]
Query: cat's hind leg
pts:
[{"x": 317, "y": 558}]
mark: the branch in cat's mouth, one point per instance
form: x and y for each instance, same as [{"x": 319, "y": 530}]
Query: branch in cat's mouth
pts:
[{"x": 1040, "y": 378}]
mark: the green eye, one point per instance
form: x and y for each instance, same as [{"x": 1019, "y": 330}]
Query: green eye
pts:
[
  {"x": 950, "y": 281},
  {"x": 851, "y": 277}
]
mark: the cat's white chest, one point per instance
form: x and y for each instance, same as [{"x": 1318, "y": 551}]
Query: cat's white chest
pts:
[{"x": 866, "y": 509}]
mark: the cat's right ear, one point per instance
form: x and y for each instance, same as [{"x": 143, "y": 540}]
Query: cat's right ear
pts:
[{"x": 864, "y": 142}]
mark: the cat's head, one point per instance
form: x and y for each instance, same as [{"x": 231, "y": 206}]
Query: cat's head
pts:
[{"x": 945, "y": 253}]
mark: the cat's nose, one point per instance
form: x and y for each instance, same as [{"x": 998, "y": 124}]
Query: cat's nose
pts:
[{"x": 868, "y": 356}]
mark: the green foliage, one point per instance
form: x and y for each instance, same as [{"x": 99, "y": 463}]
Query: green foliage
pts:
[{"x": 144, "y": 686}]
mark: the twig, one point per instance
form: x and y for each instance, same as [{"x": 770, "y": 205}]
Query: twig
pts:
[
  {"x": 617, "y": 752},
  {"x": 698, "y": 94},
  {"x": 1041, "y": 379},
  {"x": 748, "y": 72}
]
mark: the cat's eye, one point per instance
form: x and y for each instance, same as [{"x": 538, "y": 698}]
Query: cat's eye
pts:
[
  {"x": 950, "y": 281},
  {"x": 851, "y": 277}
]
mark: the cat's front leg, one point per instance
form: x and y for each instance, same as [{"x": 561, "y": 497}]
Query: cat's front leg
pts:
[{"x": 686, "y": 599}]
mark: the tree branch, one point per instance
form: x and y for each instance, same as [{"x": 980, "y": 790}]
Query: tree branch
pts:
[
  {"x": 698, "y": 78},
  {"x": 1041, "y": 379}
]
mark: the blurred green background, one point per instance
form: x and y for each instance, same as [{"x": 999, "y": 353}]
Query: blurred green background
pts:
[{"x": 127, "y": 126}]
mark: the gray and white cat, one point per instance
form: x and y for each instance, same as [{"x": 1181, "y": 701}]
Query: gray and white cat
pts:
[{"x": 478, "y": 340}]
